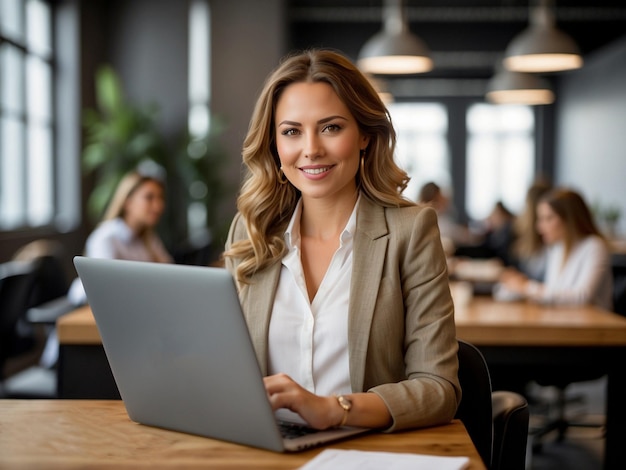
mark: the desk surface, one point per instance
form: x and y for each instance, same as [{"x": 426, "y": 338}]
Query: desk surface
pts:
[
  {"x": 78, "y": 327},
  {"x": 483, "y": 322},
  {"x": 96, "y": 434}
]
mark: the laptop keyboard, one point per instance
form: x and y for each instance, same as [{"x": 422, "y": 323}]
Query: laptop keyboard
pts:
[{"x": 294, "y": 430}]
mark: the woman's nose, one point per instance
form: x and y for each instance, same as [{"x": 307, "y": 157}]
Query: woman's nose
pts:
[{"x": 312, "y": 147}]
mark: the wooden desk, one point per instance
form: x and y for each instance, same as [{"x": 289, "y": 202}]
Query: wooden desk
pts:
[
  {"x": 485, "y": 322},
  {"x": 508, "y": 334},
  {"x": 524, "y": 334},
  {"x": 83, "y": 370},
  {"x": 78, "y": 327},
  {"x": 86, "y": 434}
]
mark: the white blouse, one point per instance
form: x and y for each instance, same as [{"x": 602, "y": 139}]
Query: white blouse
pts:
[
  {"x": 309, "y": 340},
  {"x": 585, "y": 278},
  {"x": 113, "y": 239}
]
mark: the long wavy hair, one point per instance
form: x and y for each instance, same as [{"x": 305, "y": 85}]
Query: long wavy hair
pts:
[
  {"x": 266, "y": 202},
  {"x": 528, "y": 241},
  {"x": 578, "y": 220}
]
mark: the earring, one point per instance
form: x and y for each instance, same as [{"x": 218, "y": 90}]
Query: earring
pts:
[
  {"x": 282, "y": 179},
  {"x": 362, "y": 164}
]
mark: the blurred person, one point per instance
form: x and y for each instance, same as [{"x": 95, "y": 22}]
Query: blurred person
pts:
[
  {"x": 498, "y": 234},
  {"x": 127, "y": 230},
  {"x": 578, "y": 268},
  {"x": 528, "y": 251},
  {"x": 342, "y": 280},
  {"x": 453, "y": 234}
]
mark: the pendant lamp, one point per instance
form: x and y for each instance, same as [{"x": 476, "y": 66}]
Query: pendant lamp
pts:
[
  {"x": 395, "y": 50},
  {"x": 507, "y": 87},
  {"x": 542, "y": 47}
]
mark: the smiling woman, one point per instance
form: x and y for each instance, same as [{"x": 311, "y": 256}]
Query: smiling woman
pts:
[
  {"x": 319, "y": 144},
  {"x": 342, "y": 280}
]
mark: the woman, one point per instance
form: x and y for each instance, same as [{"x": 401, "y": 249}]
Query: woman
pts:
[
  {"x": 528, "y": 249},
  {"x": 127, "y": 230},
  {"x": 578, "y": 269},
  {"x": 343, "y": 282}
]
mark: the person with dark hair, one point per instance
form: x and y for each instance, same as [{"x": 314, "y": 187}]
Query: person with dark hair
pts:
[
  {"x": 453, "y": 234},
  {"x": 342, "y": 280}
]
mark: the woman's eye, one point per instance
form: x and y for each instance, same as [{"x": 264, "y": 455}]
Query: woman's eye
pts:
[
  {"x": 290, "y": 132},
  {"x": 332, "y": 128}
]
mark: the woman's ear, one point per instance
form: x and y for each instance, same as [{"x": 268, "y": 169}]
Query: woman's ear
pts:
[{"x": 365, "y": 141}]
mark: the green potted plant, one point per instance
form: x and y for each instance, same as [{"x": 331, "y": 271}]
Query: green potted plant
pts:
[
  {"x": 612, "y": 214},
  {"x": 121, "y": 136}
]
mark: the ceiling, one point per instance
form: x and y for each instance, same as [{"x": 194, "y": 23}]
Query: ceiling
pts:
[{"x": 467, "y": 38}]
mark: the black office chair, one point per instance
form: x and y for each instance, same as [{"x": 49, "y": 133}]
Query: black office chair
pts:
[
  {"x": 618, "y": 267},
  {"x": 16, "y": 282},
  {"x": 42, "y": 279},
  {"x": 496, "y": 422},
  {"x": 555, "y": 411},
  {"x": 475, "y": 408},
  {"x": 510, "y": 430}
]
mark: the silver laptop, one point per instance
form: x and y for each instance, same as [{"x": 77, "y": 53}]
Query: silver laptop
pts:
[{"x": 179, "y": 349}]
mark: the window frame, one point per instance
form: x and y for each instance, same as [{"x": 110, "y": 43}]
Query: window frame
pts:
[{"x": 62, "y": 125}]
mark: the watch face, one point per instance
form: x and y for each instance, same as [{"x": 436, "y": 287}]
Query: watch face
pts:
[{"x": 345, "y": 403}]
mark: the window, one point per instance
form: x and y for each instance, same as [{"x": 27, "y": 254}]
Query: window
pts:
[
  {"x": 500, "y": 157},
  {"x": 496, "y": 163},
  {"x": 199, "y": 120},
  {"x": 422, "y": 148},
  {"x": 27, "y": 191}
]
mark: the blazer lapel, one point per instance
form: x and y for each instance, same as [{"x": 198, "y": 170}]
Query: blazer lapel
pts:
[
  {"x": 370, "y": 246},
  {"x": 259, "y": 298}
]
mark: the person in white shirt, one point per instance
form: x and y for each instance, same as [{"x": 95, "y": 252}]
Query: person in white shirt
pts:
[
  {"x": 342, "y": 280},
  {"x": 578, "y": 264},
  {"x": 127, "y": 230}
]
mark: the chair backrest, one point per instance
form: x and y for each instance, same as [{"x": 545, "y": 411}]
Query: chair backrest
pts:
[
  {"x": 16, "y": 284},
  {"x": 618, "y": 267},
  {"x": 475, "y": 408},
  {"x": 510, "y": 430},
  {"x": 50, "y": 281}
]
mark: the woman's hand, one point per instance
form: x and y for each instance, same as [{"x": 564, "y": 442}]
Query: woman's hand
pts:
[
  {"x": 319, "y": 412},
  {"x": 514, "y": 281}
]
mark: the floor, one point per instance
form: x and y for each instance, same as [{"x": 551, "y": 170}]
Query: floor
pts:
[{"x": 583, "y": 447}]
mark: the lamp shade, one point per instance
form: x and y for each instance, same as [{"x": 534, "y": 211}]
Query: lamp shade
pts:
[
  {"x": 542, "y": 47},
  {"x": 508, "y": 87},
  {"x": 395, "y": 50}
]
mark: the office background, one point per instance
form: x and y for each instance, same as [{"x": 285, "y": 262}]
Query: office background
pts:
[{"x": 580, "y": 138}]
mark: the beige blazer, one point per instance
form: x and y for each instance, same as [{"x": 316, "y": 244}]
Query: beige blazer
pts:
[{"x": 401, "y": 333}]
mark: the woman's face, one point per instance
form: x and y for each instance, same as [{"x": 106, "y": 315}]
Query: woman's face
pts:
[
  {"x": 145, "y": 205},
  {"x": 549, "y": 225},
  {"x": 318, "y": 141}
]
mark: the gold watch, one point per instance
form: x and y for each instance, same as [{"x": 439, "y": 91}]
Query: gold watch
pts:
[{"x": 346, "y": 404}]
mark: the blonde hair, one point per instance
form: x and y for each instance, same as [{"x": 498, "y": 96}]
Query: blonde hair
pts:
[
  {"x": 130, "y": 183},
  {"x": 265, "y": 202},
  {"x": 528, "y": 241},
  {"x": 124, "y": 190}
]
